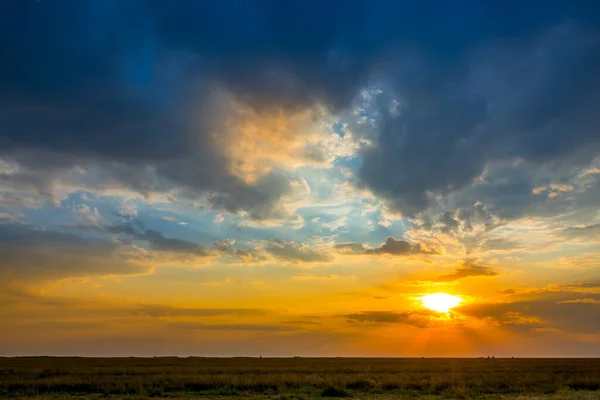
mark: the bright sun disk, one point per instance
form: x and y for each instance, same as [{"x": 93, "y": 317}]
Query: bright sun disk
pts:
[{"x": 440, "y": 302}]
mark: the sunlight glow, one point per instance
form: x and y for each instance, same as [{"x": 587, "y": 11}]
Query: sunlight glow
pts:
[{"x": 440, "y": 302}]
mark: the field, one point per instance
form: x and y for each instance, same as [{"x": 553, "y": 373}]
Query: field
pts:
[{"x": 298, "y": 378}]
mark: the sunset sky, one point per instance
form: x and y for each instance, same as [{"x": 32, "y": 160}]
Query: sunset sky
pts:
[{"x": 296, "y": 178}]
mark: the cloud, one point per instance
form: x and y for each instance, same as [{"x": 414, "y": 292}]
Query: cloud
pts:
[
  {"x": 128, "y": 228},
  {"x": 400, "y": 247},
  {"x": 581, "y": 285},
  {"x": 236, "y": 327},
  {"x": 295, "y": 252},
  {"x": 245, "y": 256},
  {"x": 158, "y": 242},
  {"x": 568, "y": 316},
  {"x": 559, "y": 292},
  {"x": 584, "y": 300},
  {"x": 8, "y": 218},
  {"x": 486, "y": 106},
  {"x": 553, "y": 190},
  {"x": 162, "y": 112},
  {"x": 36, "y": 254},
  {"x": 134, "y": 228},
  {"x": 499, "y": 243},
  {"x": 155, "y": 98},
  {"x": 569, "y": 307},
  {"x": 451, "y": 134},
  {"x": 468, "y": 269},
  {"x": 257, "y": 140},
  {"x": 582, "y": 261},
  {"x": 166, "y": 311},
  {"x": 87, "y": 214},
  {"x": 419, "y": 319},
  {"x": 350, "y": 248},
  {"x": 322, "y": 278},
  {"x": 578, "y": 232},
  {"x": 468, "y": 227},
  {"x": 150, "y": 139}
]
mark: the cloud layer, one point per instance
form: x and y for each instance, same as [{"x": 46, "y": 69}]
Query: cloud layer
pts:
[{"x": 212, "y": 170}]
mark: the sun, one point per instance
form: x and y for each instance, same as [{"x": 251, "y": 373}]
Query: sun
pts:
[{"x": 440, "y": 302}]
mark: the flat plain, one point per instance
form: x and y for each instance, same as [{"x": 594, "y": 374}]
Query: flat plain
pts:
[{"x": 298, "y": 378}]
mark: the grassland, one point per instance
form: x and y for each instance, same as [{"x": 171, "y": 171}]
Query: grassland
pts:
[{"x": 298, "y": 378}]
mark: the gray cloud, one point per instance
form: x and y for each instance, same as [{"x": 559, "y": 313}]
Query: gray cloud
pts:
[
  {"x": 506, "y": 191},
  {"x": 561, "y": 292},
  {"x": 503, "y": 103},
  {"x": 467, "y": 269},
  {"x": 129, "y": 228},
  {"x": 191, "y": 180},
  {"x": 556, "y": 311},
  {"x": 133, "y": 228},
  {"x": 448, "y": 223},
  {"x": 133, "y": 102},
  {"x": 236, "y": 327},
  {"x": 588, "y": 231},
  {"x": 581, "y": 285},
  {"x": 352, "y": 248},
  {"x": 400, "y": 247},
  {"x": 30, "y": 253},
  {"x": 500, "y": 244},
  {"x": 166, "y": 311},
  {"x": 226, "y": 248},
  {"x": 143, "y": 111},
  {"x": 462, "y": 220},
  {"x": 294, "y": 252},
  {"x": 419, "y": 319}
]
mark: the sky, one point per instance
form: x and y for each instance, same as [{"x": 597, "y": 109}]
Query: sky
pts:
[{"x": 293, "y": 178}]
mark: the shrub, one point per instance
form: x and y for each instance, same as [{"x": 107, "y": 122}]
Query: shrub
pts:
[
  {"x": 335, "y": 392},
  {"x": 362, "y": 384}
]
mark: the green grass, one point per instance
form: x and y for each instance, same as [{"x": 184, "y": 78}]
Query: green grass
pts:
[{"x": 297, "y": 378}]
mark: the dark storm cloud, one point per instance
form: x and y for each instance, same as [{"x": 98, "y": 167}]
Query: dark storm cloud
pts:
[
  {"x": 400, "y": 248},
  {"x": 535, "y": 102},
  {"x": 466, "y": 270},
  {"x": 30, "y": 253},
  {"x": 506, "y": 191},
  {"x": 129, "y": 87}
]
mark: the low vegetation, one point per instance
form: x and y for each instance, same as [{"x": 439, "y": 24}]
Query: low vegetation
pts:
[{"x": 298, "y": 378}]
